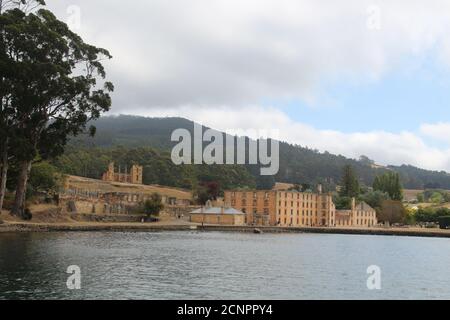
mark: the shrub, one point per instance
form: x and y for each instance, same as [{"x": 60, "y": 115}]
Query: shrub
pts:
[
  {"x": 444, "y": 222},
  {"x": 154, "y": 205}
]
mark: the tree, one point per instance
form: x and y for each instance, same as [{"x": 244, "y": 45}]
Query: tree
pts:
[
  {"x": 153, "y": 206},
  {"x": 342, "y": 202},
  {"x": 420, "y": 198},
  {"x": 350, "y": 185},
  {"x": 392, "y": 211},
  {"x": 390, "y": 184},
  {"x": 374, "y": 199},
  {"x": 55, "y": 91},
  {"x": 44, "y": 176},
  {"x": 207, "y": 191},
  {"x": 436, "y": 198},
  {"x": 6, "y": 111},
  {"x": 366, "y": 161}
]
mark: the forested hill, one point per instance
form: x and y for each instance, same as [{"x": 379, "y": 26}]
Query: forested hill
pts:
[{"x": 297, "y": 164}]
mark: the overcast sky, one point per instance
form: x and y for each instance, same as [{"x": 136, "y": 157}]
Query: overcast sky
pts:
[{"x": 351, "y": 77}]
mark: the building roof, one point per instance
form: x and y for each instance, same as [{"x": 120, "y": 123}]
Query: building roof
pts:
[
  {"x": 364, "y": 207},
  {"x": 217, "y": 210}
]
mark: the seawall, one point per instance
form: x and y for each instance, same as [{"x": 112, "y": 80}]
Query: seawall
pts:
[{"x": 150, "y": 227}]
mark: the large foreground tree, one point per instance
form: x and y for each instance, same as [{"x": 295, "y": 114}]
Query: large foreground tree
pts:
[
  {"x": 54, "y": 88},
  {"x": 7, "y": 113}
]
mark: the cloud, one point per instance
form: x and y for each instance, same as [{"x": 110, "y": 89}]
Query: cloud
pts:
[
  {"x": 438, "y": 131},
  {"x": 385, "y": 148},
  {"x": 215, "y": 62},
  {"x": 237, "y": 53}
]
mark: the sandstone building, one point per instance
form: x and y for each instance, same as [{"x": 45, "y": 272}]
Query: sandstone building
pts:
[
  {"x": 218, "y": 215},
  {"x": 133, "y": 177},
  {"x": 284, "y": 208},
  {"x": 298, "y": 209},
  {"x": 360, "y": 215}
]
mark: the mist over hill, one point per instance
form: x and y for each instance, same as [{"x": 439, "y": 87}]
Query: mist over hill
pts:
[{"x": 298, "y": 164}]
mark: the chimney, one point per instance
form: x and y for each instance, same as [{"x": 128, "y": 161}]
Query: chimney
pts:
[{"x": 319, "y": 188}]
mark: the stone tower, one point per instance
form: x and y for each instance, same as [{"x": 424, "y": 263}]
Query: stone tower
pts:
[
  {"x": 109, "y": 175},
  {"x": 136, "y": 174}
]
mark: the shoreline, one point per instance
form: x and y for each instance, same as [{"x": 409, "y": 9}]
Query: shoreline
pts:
[{"x": 22, "y": 227}]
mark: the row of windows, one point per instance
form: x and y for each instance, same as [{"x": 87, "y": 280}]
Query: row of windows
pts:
[
  {"x": 365, "y": 214},
  {"x": 293, "y": 195},
  {"x": 307, "y": 222},
  {"x": 255, "y": 211},
  {"x": 307, "y": 212},
  {"x": 255, "y": 195},
  {"x": 304, "y": 222},
  {"x": 244, "y": 203},
  {"x": 304, "y": 204},
  {"x": 363, "y": 222}
]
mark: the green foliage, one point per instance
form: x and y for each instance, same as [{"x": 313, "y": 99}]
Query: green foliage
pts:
[
  {"x": 157, "y": 166},
  {"x": 153, "y": 206},
  {"x": 207, "y": 191},
  {"x": 389, "y": 183},
  {"x": 53, "y": 87},
  {"x": 350, "y": 185},
  {"x": 435, "y": 196},
  {"x": 342, "y": 202},
  {"x": 298, "y": 164},
  {"x": 420, "y": 198},
  {"x": 444, "y": 222},
  {"x": 44, "y": 177},
  {"x": 431, "y": 214},
  {"x": 374, "y": 199}
]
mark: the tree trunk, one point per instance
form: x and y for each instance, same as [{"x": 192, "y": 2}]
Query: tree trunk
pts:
[
  {"x": 4, "y": 175},
  {"x": 21, "y": 189}
]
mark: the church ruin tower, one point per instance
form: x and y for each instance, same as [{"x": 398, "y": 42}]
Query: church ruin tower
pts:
[
  {"x": 109, "y": 175},
  {"x": 136, "y": 174},
  {"x": 134, "y": 177}
]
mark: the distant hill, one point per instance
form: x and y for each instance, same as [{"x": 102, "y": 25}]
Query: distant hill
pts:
[{"x": 298, "y": 164}]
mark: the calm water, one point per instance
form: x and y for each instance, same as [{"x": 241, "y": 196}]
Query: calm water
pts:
[{"x": 195, "y": 265}]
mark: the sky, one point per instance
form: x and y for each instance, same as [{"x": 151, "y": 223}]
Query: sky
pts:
[{"x": 351, "y": 77}]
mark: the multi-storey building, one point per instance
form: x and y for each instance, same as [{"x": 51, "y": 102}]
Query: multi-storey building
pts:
[
  {"x": 134, "y": 176},
  {"x": 298, "y": 209},
  {"x": 360, "y": 215},
  {"x": 283, "y": 208}
]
